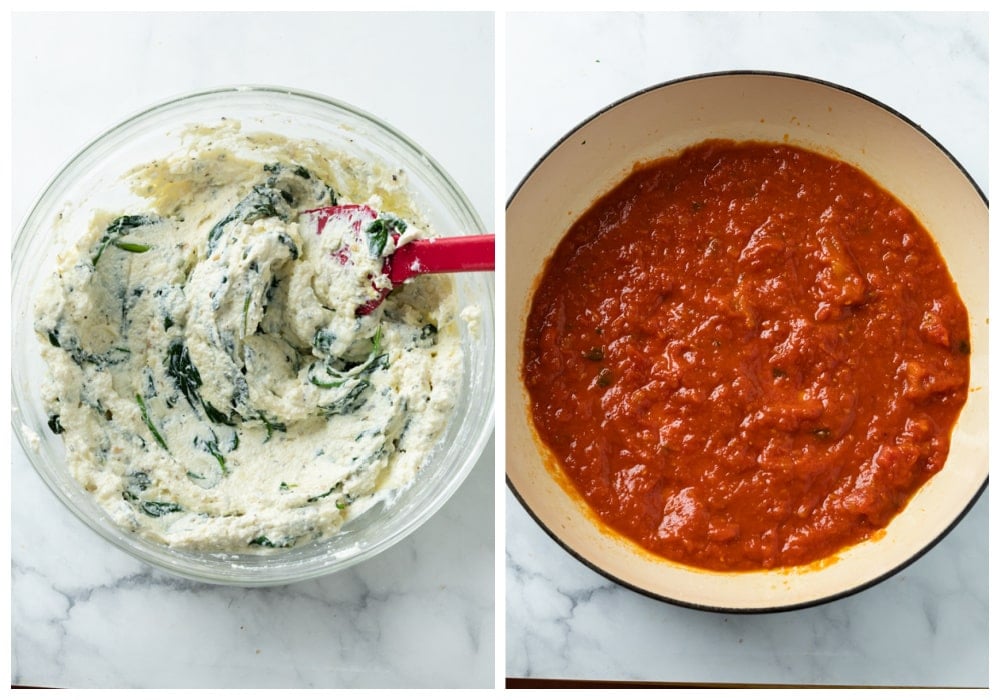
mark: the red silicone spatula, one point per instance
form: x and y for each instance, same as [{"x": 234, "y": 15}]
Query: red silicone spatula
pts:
[
  {"x": 426, "y": 256},
  {"x": 422, "y": 256}
]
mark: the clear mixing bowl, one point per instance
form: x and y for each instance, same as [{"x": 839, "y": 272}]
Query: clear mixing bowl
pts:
[{"x": 92, "y": 180}]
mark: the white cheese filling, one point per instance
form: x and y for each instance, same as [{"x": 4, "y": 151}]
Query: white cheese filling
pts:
[{"x": 211, "y": 377}]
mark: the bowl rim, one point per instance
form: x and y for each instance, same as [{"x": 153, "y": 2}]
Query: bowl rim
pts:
[
  {"x": 742, "y": 73},
  {"x": 227, "y": 89},
  {"x": 521, "y": 499},
  {"x": 309, "y": 568}
]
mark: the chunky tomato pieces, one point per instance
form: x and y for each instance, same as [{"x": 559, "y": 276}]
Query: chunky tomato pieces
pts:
[{"x": 746, "y": 357}]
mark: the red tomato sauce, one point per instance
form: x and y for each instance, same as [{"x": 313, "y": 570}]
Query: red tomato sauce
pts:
[{"x": 748, "y": 356}]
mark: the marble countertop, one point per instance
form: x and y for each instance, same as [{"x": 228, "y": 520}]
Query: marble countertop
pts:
[
  {"x": 420, "y": 614},
  {"x": 925, "y": 626}
]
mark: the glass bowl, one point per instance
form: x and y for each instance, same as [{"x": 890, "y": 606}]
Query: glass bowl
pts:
[{"x": 91, "y": 179}]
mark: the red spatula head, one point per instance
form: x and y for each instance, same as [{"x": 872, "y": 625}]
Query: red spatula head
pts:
[{"x": 421, "y": 256}]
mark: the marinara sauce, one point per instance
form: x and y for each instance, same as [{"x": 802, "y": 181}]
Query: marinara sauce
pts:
[{"x": 748, "y": 356}]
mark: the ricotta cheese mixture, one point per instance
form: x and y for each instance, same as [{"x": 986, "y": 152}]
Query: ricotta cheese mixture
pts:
[{"x": 221, "y": 371}]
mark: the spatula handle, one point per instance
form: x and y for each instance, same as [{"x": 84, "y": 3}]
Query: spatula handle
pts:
[{"x": 451, "y": 254}]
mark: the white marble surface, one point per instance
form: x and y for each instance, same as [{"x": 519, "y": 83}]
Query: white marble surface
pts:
[
  {"x": 928, "y": 625},
  {"x": 420, "y": 614}
]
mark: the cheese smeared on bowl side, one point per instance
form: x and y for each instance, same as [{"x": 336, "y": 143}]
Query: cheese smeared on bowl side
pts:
[{"x": 213, "y": 384}]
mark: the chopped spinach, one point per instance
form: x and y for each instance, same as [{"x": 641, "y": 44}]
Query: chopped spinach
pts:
[
  {"x": 342, "y": 503},
  {"x": 136, "y": 483},
  {"x": 71, "y": 345},
  {"x": 181, "y": 369},
  {"x": 212, "y": 447},
  {"x": 323, "y": 340},
  {"x": 118, "y": 229},
  {"x": 262, "y": 202},
  {"x": 285, "y": 187},
  {"x": 339, "y": 369},
  {"x": 378, "y": 236},
  {"x": 273, "y": 287},
  {"x": 147, "y": 375},
  {"x": 54, "y": 425},
  {"x": 271, "y": 426},
  {"x": 349, "y": 402},
  {"x": 155, "y": 509},
  {"x": 131, "y": 247},
  {"x": 187, "y": 379},
  {"x": 379, "y": 231},
  {"x": 149, "y": 423},
  {"x": 320, "y": 191},
  {"x": 263, "y": 541},
  {"x": 246, "y": 310},
  {"x": 277, "y": 168},
  {"x": 315, "y": 381},
  {"x": 215, "y": 415},
  {"x": 336, "y": 487},
  {"x": 286, "y": 241},
  {"x": 336, "y": 372}
]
